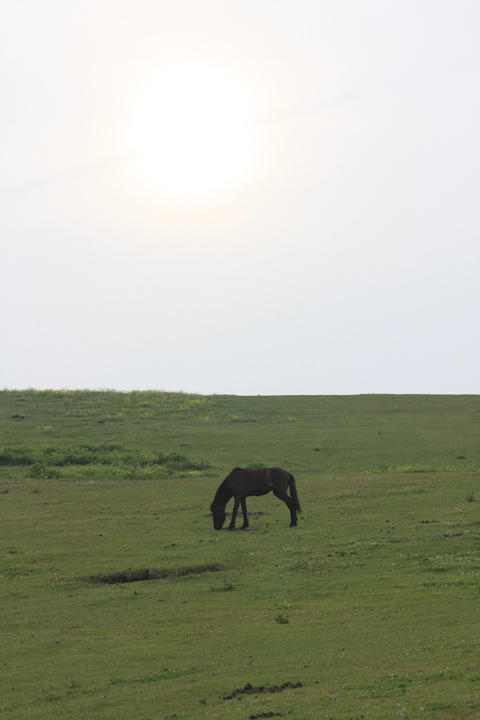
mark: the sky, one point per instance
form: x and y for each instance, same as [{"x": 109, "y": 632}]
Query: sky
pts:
[{"x": 253, "y": 197}]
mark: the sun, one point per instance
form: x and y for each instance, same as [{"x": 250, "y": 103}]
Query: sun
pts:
[{"x": 192, "y": 131}]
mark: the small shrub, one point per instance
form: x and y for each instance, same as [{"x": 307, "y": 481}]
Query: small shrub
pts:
[
  {"x": 282, "y": 619},
  {"x": 470, "y": 496},
  {"x": 39, "y": 471}
]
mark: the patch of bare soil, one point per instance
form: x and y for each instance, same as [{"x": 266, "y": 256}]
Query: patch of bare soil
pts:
[
  {"x": 255, "y": 513},
  {"x": 128, "y": 576},
  {"x": 251, "y": 690}
]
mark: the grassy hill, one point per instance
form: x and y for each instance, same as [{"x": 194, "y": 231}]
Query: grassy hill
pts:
[{"x": 367, "y": 609}]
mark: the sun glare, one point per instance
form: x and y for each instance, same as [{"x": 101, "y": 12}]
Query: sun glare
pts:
[{"x": 192, "y": 131}]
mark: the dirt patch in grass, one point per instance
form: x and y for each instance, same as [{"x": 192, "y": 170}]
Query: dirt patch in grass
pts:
[
  {"x": 251, "y": 690},
  {"x": 250, "y": 514},
  {"x": 128, "y": 576}
]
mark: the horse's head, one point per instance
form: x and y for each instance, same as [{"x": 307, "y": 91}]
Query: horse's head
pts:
[{"x": 218, "y": 513}]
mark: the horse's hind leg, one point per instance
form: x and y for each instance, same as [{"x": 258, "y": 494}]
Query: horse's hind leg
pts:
[
  {"x": 293, "y": 512},
  {"x": 245, "y": 518},
  {"x": 290, "y": 504}
]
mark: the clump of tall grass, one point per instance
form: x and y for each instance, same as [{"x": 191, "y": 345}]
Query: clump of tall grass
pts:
[{"x": 226, "y": 587}]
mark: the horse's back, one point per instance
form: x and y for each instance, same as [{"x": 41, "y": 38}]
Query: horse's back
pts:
[
  {"x": 257, "y": 481},
  {"x": 280, "y": 474}
]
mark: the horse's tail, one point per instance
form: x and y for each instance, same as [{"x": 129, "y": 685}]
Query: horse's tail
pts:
[{"x": 293, "y": 491}]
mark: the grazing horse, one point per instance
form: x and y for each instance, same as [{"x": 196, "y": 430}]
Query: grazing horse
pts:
[{"x": 241, "y": 483}]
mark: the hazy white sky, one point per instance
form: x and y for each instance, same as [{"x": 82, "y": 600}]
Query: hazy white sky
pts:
[{"x": 299, "y": 215}]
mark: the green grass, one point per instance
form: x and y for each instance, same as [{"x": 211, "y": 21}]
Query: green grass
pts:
[{"x": 371, "y": 603}]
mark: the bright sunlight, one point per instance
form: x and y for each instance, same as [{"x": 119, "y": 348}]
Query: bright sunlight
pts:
[{"x": 192, "y": 131}]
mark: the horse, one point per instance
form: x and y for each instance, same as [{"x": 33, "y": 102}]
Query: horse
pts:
[{"x": 242, "y": 483}]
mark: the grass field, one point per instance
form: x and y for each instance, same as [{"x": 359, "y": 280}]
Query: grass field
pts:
[{"x": 368, "y": 609}]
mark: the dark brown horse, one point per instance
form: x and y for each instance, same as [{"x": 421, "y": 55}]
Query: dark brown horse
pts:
[{"x": 241, "y": 483}]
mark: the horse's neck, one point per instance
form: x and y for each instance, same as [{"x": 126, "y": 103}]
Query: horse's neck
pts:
[{"x": 223, "y": 494}]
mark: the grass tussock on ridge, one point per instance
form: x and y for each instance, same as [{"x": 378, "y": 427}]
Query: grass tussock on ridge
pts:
[
  {"x": 105, "y": 460},
  {"x": 431, "y": 468}
]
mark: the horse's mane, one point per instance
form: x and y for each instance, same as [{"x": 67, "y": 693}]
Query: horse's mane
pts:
[{"x": 231, "y": 473}]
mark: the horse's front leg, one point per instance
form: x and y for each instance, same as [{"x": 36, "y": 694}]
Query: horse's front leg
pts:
[
  {"x": 245, "y": 518},
  {"x": 234, "y": 514}
]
